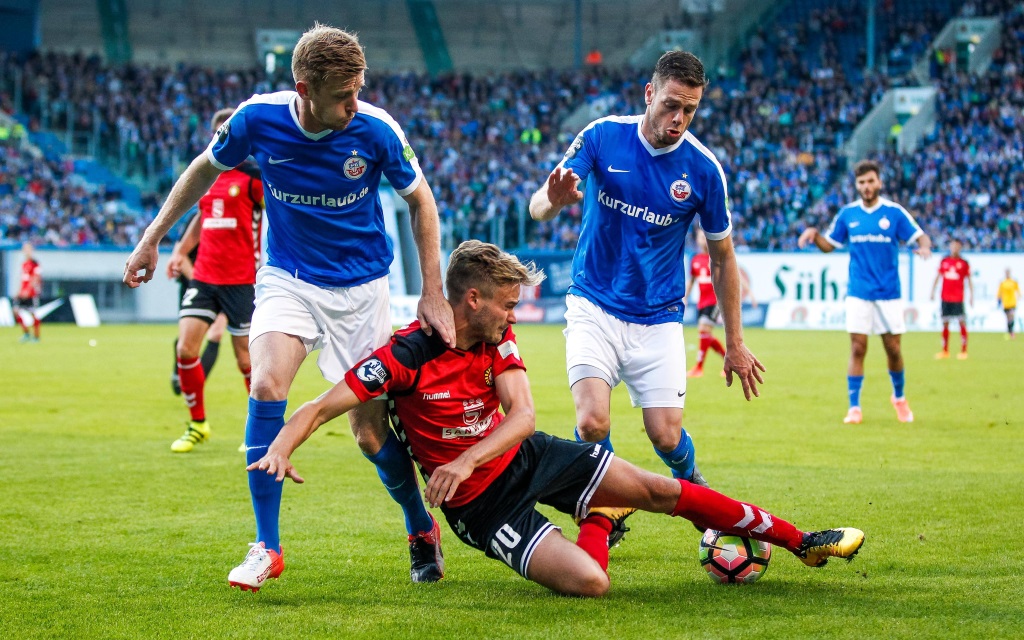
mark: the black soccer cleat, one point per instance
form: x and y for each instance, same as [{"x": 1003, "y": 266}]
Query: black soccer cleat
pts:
[
  {"x": 427, "y": 560},
  {"x": 617, "y": 516},
  {"x": 818, "y": 546},
  {"x": 175, "y": 384}
]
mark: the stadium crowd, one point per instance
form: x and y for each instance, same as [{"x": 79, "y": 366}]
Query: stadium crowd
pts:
[{"x": 776, "y": 121}]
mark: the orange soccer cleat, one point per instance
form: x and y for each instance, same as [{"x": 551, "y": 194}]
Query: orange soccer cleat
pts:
[
  {"x": 853, "y": 416},
  {"x": 903, "y": 412},
  {"x": 942, "y": 355},
  {"x": 260, "y": 564}
]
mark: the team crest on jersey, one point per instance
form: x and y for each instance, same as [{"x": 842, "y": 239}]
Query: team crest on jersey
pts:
[
  {"x": 472, "y": 410},
  {"x": 883, "y": 224},
  {"x": 233, "y": 191},
  {"x": 373, "y": 373},
  {"x": 574, "y": 148},
  {"x": 489, "y": 377},
  {"x": 680, "y": 190},
  {"x": 355, "y": 167},
  {"x": 217, "y": 208}
]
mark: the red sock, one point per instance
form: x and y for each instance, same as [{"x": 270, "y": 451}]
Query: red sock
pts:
[
  {"x": 192, "y": 380},
  {"x": 247, "y": 374},
  {"x": 702, "y": 348},
  {"x": 963, "y": 337},
  {"x": 35, "y": 327},
  {"x": 716, "y": 345},
  {"x": 593, "y": 538},
  {"x": 945, "y": 336},
  {"x": 21, "y": 323},
  {"x": 712, "y": 510}
]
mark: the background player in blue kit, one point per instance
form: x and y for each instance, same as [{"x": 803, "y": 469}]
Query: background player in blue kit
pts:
[
  {"x": 647, "y": 177},
  {"x": 874, "y": 227},
  {"x": 322, "y": 153}
]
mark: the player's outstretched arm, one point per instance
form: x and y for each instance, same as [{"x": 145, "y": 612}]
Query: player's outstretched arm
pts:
[
  {"x": 433, "y": 310},
  {"x": 513, "y": 389},
  {"x": 559, "y": 191},
  {"x": 332, "y": 403},
  {"x": 190, "y": 187},
  {"x": 812, "y": 235},
  {"x": 725, "y": 276},
  {"x": 924, "y": 246}
]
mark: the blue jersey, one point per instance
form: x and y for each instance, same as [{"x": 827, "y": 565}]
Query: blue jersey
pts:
[
  {"x": 637, "y": 207},
  {"x": 874, "y": 236},
  {"x": 321, "y": 189}
]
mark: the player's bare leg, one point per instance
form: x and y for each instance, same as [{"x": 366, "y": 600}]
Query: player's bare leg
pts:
[
  {"x": 855, "y": 376},
  {"x": 193, "y": 381},
  {"x": 564, "y": 567},
  {"x": 240, "y": 344},
  {"x": 593, "y": 400},
  {"x": 894, "y": 355}
]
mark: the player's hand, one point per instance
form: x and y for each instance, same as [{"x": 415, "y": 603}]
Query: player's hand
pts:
[
  {"x": 923, "y": 252},
  {"x": 143, "y": 259},
  {"x": 276, "y": 464},
  {"x": 562, "y": 188},
  {"x": 434, "y": 312},
  {"x": 174, "y": 265},
  {"x": 807, "y": 237},
  {"x": 445, "y": 480},
  {"x": 741, "y": 361}
]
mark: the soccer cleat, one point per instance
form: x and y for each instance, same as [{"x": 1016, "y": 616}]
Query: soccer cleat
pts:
[
  {"x": 853, "y": 416},
  {"x": 903, "y": 412},
  {"x": 962, "y": 355},
  {"x": 25, "y": 338},
  {"x": 696, "y": 372},
  {"x": 818, "y": 546},
  {"x": 175, "y": 384},
  {"x": 197, "y": 432},
  {"x": 427, "y": 560},
  {"x": 618, "y": 519},
  {"x": 942, "y": 355},
  {"x": 259, "y": 565}
]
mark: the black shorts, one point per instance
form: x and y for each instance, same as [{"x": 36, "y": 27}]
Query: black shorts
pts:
[
  {"x": 204, "y": 301},
  {"x": 503, "y": 521},
  {"x": 26, "y": 303},
  {"x": 953, "y": 311},
  {"x": 713, "y": 314}
]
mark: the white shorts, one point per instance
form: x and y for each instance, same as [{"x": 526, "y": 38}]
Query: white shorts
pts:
[
  {"x": 346, "y": 323},
  {"x": 874, "y": 317},
  {"x": 649, "y": 358}
]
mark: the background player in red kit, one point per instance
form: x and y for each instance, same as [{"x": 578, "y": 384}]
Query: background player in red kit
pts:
[
  {"x": 708, "y": 313},
  {"x": 227, "y": 230},
  {"x": 28, "y": 296},
  {"x": 953, "y": 272},
  {"x": 488, "y": 471}
]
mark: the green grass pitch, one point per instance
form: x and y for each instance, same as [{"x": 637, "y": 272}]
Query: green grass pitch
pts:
[{"x": 106, "y": 533}]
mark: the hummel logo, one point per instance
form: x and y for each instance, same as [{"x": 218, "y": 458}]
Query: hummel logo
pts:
[
  {"x": 611, "y": 170},
  {"x": 276, "y": 161}
]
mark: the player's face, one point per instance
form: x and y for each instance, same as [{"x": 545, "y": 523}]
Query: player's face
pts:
[
  {"x": 954, "y": 248},
  {"x": 670, "y": 110},
  {"x": 334, "y": 103},
  {"x": 496, "y": 313},
  {"x": 869, "y": 186}
]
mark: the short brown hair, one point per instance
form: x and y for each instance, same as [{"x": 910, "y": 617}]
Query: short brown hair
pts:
[
  {"x": 867, "y": 166},
  {"x": 483, "y": 266},
  {"x": 327, "y": 52},
  {"x": 220, "y": 117},
  {"x": 681, "y": 66}
]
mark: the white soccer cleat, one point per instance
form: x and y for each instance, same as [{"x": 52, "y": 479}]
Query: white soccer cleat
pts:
[{"x": 260, "y": 564}]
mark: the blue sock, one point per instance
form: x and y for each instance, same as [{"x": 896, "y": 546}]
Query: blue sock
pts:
[
  {"x": 681, "y": 460},
  {"x": 262, "y": 426},
  {"x": 395, "y": 470},
  {"x": 897, "y": 383},
  {"x": 606, "y": 442},
  {"x": 853, "y": 383}
]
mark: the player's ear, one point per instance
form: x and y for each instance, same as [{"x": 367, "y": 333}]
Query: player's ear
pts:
[
  {"x": 302, "y": 88},
  {"x": 649, "y": 94},
  {"x": 473, "y": 298}
]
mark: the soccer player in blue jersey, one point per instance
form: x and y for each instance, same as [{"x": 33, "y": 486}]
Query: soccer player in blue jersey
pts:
[
  {"x": 647, "y": 177},
  {"x": 874, "y": 227},
  {"x": 322, "y": 153}
]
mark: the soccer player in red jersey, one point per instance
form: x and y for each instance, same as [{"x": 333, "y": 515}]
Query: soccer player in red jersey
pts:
[
  {"x": 953, "y": 272},
  {"x": 487, "y": 471},
  {"x": 708, "y": 313},
  {"x": 28, "y": 296},
  {"x": 227, "y": 230}
]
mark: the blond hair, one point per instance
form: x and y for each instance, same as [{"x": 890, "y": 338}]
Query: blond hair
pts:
[
  {"x": 327, "y": 52},
  {"x": 220, "y": 117},
  {"x": 483, "y": 266}
]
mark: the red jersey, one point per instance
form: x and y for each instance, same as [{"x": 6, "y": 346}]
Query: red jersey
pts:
[
  {"x": 954, "y": 271},
  {"x": 443, "y": 399},
  {"x": 700, "y": 271},
  {"x": 31, "y": 276},
  {"x": 229, "y": 237}
]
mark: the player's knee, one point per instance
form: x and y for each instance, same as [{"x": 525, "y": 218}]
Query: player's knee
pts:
[
  {"x": 186, "y": 351},
  {"x": 267, "y": 389},
  {"x": 591, "y": 583},
  {"x": 593, "y": 427}
]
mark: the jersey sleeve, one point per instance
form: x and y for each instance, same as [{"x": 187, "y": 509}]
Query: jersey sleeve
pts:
[
  {"x": 401, "y": 166},
  {"x": 715, "y": 219},
  {"x": 507, "y": 356},
  {"x": 380, "y": 373},
  {"x": 230, "y": 145},
  {"x": 582, "y": 153},
  {"x": 838, "y": 232},
  {"x": 906, "y": 227}
]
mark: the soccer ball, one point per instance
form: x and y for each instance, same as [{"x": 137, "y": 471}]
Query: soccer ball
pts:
[{"x": 732, "y": 559}]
